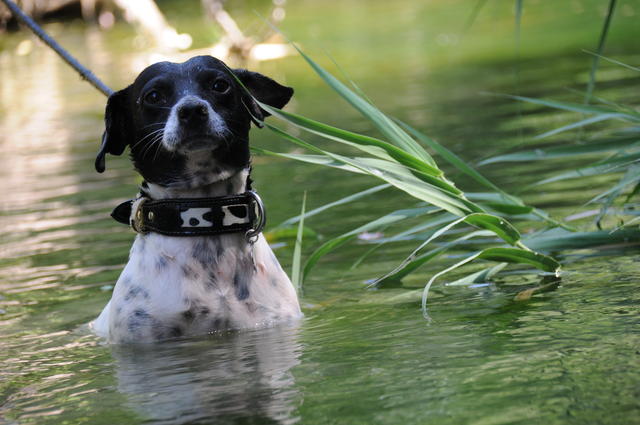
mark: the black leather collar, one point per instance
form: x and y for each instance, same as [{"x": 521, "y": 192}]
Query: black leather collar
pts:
[{"x": 195, "y": 216}]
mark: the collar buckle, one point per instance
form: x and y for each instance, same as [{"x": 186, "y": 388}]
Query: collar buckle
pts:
[
  {"x": 137, "y": 216},
  {"x": 260, "y": 218}
]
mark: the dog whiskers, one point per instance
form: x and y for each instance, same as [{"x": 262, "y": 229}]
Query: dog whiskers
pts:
[
  {"x": 155, "y": 123},
  {"x": 153, "y": 133}
]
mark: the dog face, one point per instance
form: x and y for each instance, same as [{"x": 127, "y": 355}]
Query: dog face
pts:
[{"x": 188, "y": 124}]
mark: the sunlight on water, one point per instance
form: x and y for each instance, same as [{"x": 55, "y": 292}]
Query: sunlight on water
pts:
[{"x": 360, "y": 356}]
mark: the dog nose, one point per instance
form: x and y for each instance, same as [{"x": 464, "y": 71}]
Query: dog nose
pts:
[{"x": 190, "y": 112}]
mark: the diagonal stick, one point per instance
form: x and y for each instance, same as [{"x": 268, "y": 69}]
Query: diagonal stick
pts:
[{"x": 46, "y": 38}]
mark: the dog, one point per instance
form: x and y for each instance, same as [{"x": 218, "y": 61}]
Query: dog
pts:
[{"x": 199, "y": 263}]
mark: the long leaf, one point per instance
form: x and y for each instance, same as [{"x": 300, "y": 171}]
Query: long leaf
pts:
[
  {"x": 338, "y": 241},
  {"x": 382, "y": 164},
  {"x": 457, "y": 162},
  {"x": 578, "y": 124},
  {"x": 473, "y": 15},
  {"x": 296, "y": 277},
  {"x": 521, "y": 256},
  {"x": 631, "y": 176},
  {"x": 415, "y": 262},
  {"x": 400, "y": 177},
  {"x": 495, "y": 225},
  {"x": 386, "y": 126},
  {"x": 342, "y": 201},
  {"x": 601, "y": 42},
  {"x": 577, "y": 107},
  {"x": 355, "y": 140},
  {"x": 481, "y": 276},
  {"x": 502, "y": 255},
  {"x": 624, "y": 65},
  {"x": 602, "y": 167},
  {"x": 412, "y": 233},
  {"x": 607, "y": 145},
  {"x": 561, "y": 240}
]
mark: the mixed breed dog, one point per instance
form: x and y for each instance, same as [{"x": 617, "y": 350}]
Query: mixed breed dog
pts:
[{"x": 199, "y": 263}]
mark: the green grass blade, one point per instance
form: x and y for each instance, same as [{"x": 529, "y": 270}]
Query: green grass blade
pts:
[
  {"x": 386, "y": 126},
  {"x": 323, "y": 160},
  {"x": 481, "y": 276},
  {"x": 296, "y": 277},
  {"x": 601, "y": 43},
  {"x": 578, "y": 124},
  {"x": 521, "y": 256},
  {"x": 578, "y": 107},
  {"x": 631, "y": 176},
  {"x": 562, "y": 240},
  {"x": 455, "y": 160},
  {"x": 408, "y": 267},
  {"x": 346, "y": 200},
  {"x": 383, "y": 221},
  {"x": 633, "y": 192},
  {"x": 607, "y": 166},
  {"x": 622, "y": 64},
  {"x": 502, "y": 255},
  {"x": 497, "y": 225},
  {"x": 473, "y": 15},
  {"x": 412, "y": 257},
  {"x": 607, "y": 145},
  {"x": 409, "y": 234},
  {"x": 438, "y": 193},
  {"x": 354, "y": 139},
  {"x": 425, "y": 291},
  {"x": 377, "y": 167},
  {"x": 497, "y": 202}
]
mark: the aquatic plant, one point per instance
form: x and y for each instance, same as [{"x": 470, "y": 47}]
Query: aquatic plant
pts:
[{"x": 402, "y": 163}]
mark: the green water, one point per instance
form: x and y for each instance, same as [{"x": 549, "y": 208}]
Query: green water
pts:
[{"x": 569, "y": 356}]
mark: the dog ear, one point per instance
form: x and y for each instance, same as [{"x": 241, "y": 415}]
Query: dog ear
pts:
[
  {"x": 117, "y": 128},
  {"x": 265, "y": 90}
]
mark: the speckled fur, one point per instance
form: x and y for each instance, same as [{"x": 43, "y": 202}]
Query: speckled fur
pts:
[
  {"x": 177, "y": 286},
  {"x": 187, "y": 126}
]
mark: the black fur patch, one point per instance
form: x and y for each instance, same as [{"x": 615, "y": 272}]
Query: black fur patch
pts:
[
  {"x": 135, "y": 292},
  {"x": 137, "y": 320},
  {"x": 220, "y": 324},
  {"x": 242, "y": 286},
  {"x": 161, "y": 263},
  {"x": 188, "y": 271}
]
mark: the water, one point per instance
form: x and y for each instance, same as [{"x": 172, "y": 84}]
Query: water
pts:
[{"x": 360, "y": 356}]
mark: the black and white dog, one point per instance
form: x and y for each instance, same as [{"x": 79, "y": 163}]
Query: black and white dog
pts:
[{"x": 199, "y": 263}]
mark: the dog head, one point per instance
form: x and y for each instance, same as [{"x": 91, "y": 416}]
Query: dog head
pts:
[{"x": 187, "y": 124}]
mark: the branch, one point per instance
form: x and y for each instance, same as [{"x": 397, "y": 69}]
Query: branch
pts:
[{"x": 66, "y": 56}]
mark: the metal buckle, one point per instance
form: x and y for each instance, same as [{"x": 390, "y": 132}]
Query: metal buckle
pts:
[
  {"x": 261, "y": 218},
  {"x": 137, "y": 216}
]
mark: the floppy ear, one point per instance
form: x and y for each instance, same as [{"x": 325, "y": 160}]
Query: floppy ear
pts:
[
  {"x": 117, "y": 127},
  {"x": 265, "y": 90}
]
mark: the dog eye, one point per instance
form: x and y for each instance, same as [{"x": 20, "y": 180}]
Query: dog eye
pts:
[
  {"x": 154, "y": 98},
  {"x": 220, "y": 86}
]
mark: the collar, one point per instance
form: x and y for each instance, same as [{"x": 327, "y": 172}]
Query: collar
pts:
[{"x": 195, "y": 216}]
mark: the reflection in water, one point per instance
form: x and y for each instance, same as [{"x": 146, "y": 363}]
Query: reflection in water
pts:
[
  {"x": 239, "y": 377},
  {"x": 563, "y": 357}
]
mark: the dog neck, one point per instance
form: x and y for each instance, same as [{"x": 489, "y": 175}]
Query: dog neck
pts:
[{"x": 232, "y": 185}]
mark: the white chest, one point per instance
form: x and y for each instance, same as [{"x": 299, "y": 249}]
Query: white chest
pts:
[{"x": 174, "y": 286}]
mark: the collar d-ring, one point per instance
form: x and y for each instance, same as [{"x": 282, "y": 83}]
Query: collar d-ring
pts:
[{"x": 260, "y": 218}]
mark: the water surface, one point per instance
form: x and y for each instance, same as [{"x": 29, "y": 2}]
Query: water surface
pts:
[{"x": 360, "y": 356}]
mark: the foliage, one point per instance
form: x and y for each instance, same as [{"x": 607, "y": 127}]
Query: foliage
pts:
[
  {"x": 401, "y": 162},
  {"x": 448, "y": 218}
]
